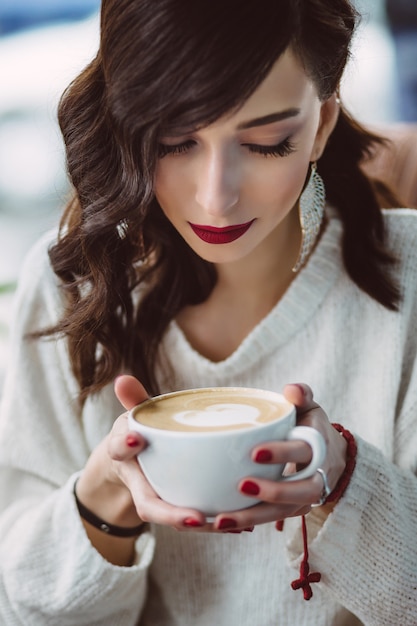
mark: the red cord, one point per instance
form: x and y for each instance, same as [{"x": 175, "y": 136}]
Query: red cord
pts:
[
  {"x": 305, "y": 580},
  {"x": 351, "y": 453}
]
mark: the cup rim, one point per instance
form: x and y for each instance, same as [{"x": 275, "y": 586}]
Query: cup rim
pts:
[{"x": 215, "y": 433}]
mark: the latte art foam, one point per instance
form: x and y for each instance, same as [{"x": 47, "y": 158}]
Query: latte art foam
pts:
[
  {"x": 217, "y": 414},
  {"x": 211, "y": 409}
]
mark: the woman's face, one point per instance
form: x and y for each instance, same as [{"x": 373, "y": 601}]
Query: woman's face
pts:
[{"x": 230, "y": 188}]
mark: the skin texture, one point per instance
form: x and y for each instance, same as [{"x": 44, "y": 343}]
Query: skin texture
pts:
[{"x": 216, "y": 177}]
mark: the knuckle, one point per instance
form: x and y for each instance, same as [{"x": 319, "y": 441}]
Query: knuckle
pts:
[
  {"x": 143, "y": 514},
  {"x": 116, "y": 455},
  {"x": 275, "y": 493}
]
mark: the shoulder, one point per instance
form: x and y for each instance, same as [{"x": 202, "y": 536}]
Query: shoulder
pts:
[
  {"x": 401, "y": 232},
  {"x": 38, "y": 291},
  {"x": 400, "y": 224},
  {"x": 37, "y": 258},
  {"x": 401, "y": 242}
]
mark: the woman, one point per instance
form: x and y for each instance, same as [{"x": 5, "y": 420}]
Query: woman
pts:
[{"x": 198, "y": 250}]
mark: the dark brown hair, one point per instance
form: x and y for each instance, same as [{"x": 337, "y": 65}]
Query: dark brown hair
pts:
[{"x": 183, "y": 63}]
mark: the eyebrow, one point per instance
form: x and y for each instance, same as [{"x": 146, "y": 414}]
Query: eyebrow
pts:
[{"x": 269, "y": 119}]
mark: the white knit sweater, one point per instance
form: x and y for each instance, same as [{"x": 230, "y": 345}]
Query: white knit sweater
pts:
[{"x": 358, "y": 357}]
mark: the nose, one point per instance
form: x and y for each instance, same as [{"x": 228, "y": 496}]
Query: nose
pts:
[{"x": 218, "y": 184}]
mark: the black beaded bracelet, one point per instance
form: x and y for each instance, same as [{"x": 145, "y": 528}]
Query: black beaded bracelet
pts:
[{"x": 105, "y": 527}]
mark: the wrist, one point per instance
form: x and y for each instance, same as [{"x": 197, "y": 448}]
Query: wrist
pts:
[
  {"x": 108, "y": 501},
  {"x": 104, "y": 525}
]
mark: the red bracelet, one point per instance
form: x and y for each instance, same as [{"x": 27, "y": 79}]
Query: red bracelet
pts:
[{"x": 351, "y": 453}]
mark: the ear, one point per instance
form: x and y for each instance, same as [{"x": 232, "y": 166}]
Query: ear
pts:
[{"x": 329, "y": 114}]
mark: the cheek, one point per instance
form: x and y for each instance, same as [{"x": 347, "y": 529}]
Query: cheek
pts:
[
  {"x": 167, "y": 188},
  {"x": 283, "y": 184}
]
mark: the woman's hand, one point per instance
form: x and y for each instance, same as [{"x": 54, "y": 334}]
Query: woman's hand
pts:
[
  {"x": 123, "y": 447},
  {"x": 113, "y": 487},
  {"x": 282, "y": 499},
  {"x": 279, "y": 499},
  {"x": 124, "y": 488}
]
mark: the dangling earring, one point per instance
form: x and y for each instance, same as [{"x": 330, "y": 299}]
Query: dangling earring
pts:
[{"x": 311, "y": 210}]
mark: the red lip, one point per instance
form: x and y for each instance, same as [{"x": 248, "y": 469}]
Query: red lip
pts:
[{"x": 211, "y": 234}]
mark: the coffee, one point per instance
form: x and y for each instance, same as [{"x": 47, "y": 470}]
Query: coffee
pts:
[{"x": 212, "y": 409}]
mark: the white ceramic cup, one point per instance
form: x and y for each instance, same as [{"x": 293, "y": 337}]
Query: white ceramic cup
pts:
[{"x": 200, "y": 467}]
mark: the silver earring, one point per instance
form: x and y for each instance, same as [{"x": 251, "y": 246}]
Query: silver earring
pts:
[{"x": 311, "y": 210}]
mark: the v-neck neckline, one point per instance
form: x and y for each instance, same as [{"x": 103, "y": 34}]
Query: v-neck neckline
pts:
[{"x": 299, "y": 304}]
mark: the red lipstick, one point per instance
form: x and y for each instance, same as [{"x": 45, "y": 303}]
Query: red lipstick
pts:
[{"x": 211, "y": 234}]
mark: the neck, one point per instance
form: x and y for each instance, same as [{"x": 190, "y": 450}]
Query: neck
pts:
[
  {"x": 267, "y": 272},
  {"x": 245, "y": 292}
]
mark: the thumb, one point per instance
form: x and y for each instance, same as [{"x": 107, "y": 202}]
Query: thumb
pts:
[
  {"x": 129, "y": 391},
  {"x": 301, "y": 396}
]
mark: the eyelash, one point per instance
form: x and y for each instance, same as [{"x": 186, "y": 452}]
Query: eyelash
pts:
[
  {"x": 179, "y": 148},
  {"x": 282, "y": 149}
]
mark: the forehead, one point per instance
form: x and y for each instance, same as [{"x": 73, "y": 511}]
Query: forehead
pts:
[{"x": 287, "y": 86}]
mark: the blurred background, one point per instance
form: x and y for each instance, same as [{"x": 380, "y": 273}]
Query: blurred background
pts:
[{"x": 43, "y": 46}]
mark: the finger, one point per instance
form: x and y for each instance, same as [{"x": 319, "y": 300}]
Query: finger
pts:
[
  {"x": 123, "y": 443},
  {"x": 125, "y": 446},
  {"x": 129, "y": 391},
  {"x": 296, "y": 451},
  {"x": 298, "y": 492},
  {"x": 301, "y": 395},
  {"x": 151, "y": 508},
  {"x": 260, "y": 514}
]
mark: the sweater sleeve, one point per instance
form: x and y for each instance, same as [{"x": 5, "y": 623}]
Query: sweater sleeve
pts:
[
  {"x": 50, "y": 572},
  {"x": 366, "y": 548}
]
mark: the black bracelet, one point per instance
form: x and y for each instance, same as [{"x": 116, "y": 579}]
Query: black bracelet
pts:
[{"x": 105, "y": 527}]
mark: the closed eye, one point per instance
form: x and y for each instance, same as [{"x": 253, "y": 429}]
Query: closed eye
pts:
[
  {"x": 179, "y": 148},
  {"x": 284, "y": 148}
]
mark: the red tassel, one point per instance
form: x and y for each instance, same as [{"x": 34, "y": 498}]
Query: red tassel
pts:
[{"x": 305, "y": 580}]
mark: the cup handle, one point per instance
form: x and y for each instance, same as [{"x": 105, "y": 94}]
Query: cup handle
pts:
[{"x": 318, "y": 446}]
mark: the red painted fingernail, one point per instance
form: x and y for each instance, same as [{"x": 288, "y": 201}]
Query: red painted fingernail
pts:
[
  {"x": 280, "y": 525},
  {"x": 250, "y": 488},
  {"x": 263, "y": 456},
  {"x": 226, "y": 523},
  {"x": 192, "y": 522},
  {"x": 132, "y": 441}
]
